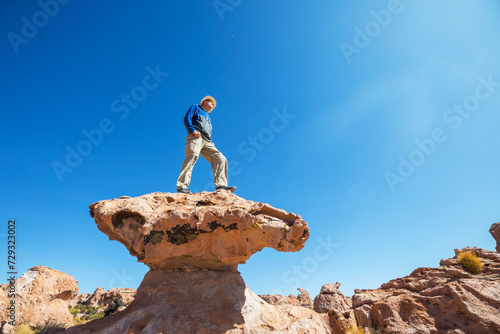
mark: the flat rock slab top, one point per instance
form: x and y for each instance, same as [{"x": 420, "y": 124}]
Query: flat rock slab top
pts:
[{"x": 209, "y": 230}]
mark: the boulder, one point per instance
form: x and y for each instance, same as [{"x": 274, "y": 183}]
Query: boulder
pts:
[
  {"x": 339, "y": 308},
  {"x": 209, "y": 230},
  {"x": 43, "y": 296},
  {"x": 495, "y": 232},
  {"x": 447, "y": 299}
]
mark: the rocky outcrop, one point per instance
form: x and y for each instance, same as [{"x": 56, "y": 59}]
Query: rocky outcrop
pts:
[
  {"x": 216, "y": 230},
  {"x": 4, "y": 304},
  {"x": 302, "y": 300},
  {"x": 495, "y": 232},
  {"x": 447, "y": 299},
  {"x": 193, "y": 245},
  {"x": 80, "y": 299},
  {"x": 43, "y": 296},
  {"x": 339, "y": 308},
  {"x": 110, "y": 301}
]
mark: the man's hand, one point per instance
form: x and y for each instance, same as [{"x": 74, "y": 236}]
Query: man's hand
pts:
[{"x": 197, "y": 134}]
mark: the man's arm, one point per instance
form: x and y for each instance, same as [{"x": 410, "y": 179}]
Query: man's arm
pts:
[{"x": 188, "y": 121}]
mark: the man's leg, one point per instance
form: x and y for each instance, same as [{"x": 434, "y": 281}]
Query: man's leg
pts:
[
  {"x": 218, "y": 163},
  {"x": 192, "y": 150}
]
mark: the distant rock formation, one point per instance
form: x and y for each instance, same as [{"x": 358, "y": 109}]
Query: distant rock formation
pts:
[
  {"x": 193, "y": 245},
  {"x": 303, "y": 299},
  {"x": 42, "y": 296},
  {"x": 80, "y": 299},
  {"x": 106, "y": 302},
  {"x": 495, "y": 232},
  {"x": 338, "y": 307},
  {"x": 447, "y": 299}
]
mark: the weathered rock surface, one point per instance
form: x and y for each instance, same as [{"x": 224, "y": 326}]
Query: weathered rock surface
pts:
[
  {"x": 111, "y": 300},
  {"x": 302, "y": 300},
  {"x": 4, "y": 304},
  {"x": 495, "y": 232},
  {"x": 446, "y": 299},
  {"x": 193, "y": 245},
  {"x": 339, "y": 308},
  {"x": 216, "y": 230},
  {"x": 202, "y": 302},
  {"x": 43, "y": 296}
]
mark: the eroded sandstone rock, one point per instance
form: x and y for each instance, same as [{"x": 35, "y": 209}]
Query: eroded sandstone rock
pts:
[
  {"x": 495, "y": 232},
  {"x": 206, "y": 301},
  {"x": 110, "y": 301},
  {"x": 43, "y": 296},
  {"x": 4, "y": 304},
  {"x": 80, "y": 299},
  {"x": 339, "y": 308},
  {"x": 447, "y": 299},
  {"x": 216, "y": 230},
  {"x": 303, "y": 299}
]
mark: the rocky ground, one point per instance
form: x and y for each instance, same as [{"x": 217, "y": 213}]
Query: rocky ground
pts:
[{"x": 194, "y": 286}]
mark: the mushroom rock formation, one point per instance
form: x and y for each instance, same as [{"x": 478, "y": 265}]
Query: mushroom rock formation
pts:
[{"x": 193, "y": 245}]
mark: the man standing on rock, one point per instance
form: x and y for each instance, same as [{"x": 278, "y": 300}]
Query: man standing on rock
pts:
[{"x": 199, "y": 141}]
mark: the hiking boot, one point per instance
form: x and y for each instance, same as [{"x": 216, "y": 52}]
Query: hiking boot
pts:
[
  {"x": 184, "y": 191},
  {"x": 231, "y": 189}
]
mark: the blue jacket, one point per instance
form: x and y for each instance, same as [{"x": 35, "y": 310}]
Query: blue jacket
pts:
[{"x": 197, "y": 119}]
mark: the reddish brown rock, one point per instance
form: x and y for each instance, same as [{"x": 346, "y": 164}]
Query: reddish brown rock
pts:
[
  {"x": 202, "y": 302},
  {"x": 495, "y": 232},
  {"x": 447, "y": 299},
  {"x": 339, "y": 308},
  {"x": 43, "y": 296},
  {"x": 303, "y": 299},
  {"x": 216, "y": 230},
  {"x": 4, "y": 304}
]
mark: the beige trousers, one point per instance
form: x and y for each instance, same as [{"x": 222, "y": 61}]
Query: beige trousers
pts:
[{"x": 195, "y": 147}]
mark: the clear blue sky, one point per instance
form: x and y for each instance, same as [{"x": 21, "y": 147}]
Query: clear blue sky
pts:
[{"x": 375, "y": 121}]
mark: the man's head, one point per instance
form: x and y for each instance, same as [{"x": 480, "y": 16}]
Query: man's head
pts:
[{"x": 208, "y": 103}]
